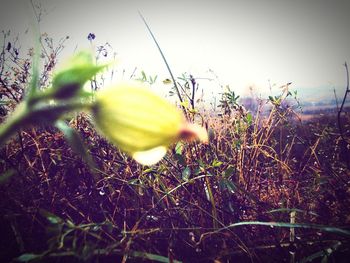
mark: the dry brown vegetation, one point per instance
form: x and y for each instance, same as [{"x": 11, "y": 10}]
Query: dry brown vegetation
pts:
[
  {"x": 265, "y": 189},
  {"x": 183, "y": 207}
]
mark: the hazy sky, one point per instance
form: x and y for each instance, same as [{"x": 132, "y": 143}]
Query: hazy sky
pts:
[{"x": 245, "y": 42}]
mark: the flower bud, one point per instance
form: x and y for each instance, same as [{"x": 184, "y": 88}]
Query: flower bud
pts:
[{"x": 141, "y": 123}]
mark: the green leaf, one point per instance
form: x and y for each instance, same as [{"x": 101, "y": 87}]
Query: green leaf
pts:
[
  {"x": 201, "y": 163},
  {"x": 153, "y": 257},
  {"x": 249, "y": 118},
  {"x": 68, "y": 82},
  {"x": 70, "y": 224},
  {"x": 197, "y": 171},
  {"x": 87, "y": 252},
  {"x": 186, "y": 173},
  {"x": 144, "y": 77},
  {"x": 48, "y": 114},
  {"x": 34, "y": 82},
  {"x": 216, "y": 163},
  {"x": 180, "y": 159},
  {"x": 28, "y": 257},
  {"x": 232, "y": 187},
  {"x": 148, "y": 170},
  {"x": 335, "y": 230},
  {"x": 134, "y": 182},
  {"x": 4, "y": 102},
  {"x": 52, "y": 218},
  {"x": 6, "y": 176},
  {"x": 229, "y": 185},
  {"x": 75, "y": 141},
  {"x": 229, "y": 171},
  {"x": 179, "y": 147},
  {"x": 325, "y": 253},
  {"x": 288, "y": 210}
]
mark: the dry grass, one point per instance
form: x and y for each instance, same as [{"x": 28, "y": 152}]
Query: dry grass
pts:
[{"x": 184, "y": 207}]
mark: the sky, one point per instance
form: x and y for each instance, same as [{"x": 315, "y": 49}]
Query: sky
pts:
[{"x": 245, "y": 43}]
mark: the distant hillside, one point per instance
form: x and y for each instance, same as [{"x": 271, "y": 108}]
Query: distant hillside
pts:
[{"x": 310, "y": 99}]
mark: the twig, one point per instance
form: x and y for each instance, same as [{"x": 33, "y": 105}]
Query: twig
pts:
[
  {"x": 347, "y": 91},
  {"x": 343, "y": 102},
  {"x": 193, "y": 82}
]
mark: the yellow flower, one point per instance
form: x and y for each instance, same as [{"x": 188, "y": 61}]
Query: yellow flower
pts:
[{"x": 141, "y": 123}]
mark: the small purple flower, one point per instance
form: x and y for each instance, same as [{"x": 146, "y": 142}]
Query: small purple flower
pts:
[{"x": 91, "y": 36}]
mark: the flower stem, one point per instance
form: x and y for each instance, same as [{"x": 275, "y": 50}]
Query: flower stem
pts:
[
  {"x": 24, "y": 116},
  {"x": 13, "y": 123}
]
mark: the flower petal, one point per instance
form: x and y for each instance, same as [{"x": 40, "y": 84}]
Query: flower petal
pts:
[
  {"x": 151, "y": 156},
  {"x": 135, "y": 119},
  {"x": 192, "y": 131}
]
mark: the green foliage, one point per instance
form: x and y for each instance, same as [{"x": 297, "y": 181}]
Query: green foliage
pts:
[
  {"x": 229, "y": 101},
  {"x": 67, "y": 86},
  {"x": 335, "y": 230},
  {"x": 28, "y": 257},
  {"x": 216, "y": 163},
  {"x": 186, "y": 173},
  {"x": 249, "y": 119},
  {"x": 150, "y": 80},
  {"x": 6, "y": 176},
  {"x": 324, "y": 254}
]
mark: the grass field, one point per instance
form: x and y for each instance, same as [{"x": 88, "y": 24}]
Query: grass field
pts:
[
  {"x": 231, "y": 200},
  {"x": 272, "y": 184}
]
